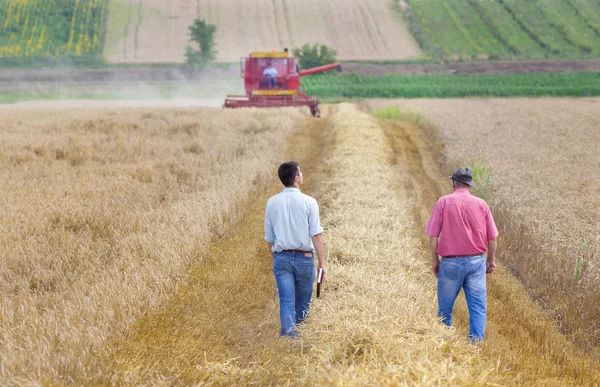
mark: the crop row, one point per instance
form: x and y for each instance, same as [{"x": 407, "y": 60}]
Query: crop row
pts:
[
  {"x": 50, "y": 28},
  {"x": 459, "y": 85},
  {"x": 508, "y": 28}
]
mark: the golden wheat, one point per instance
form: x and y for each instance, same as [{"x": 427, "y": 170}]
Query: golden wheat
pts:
[
  {"x": 116, "y": 276},
  {"x": 375, "y": 324},
  {"x": 103, "y": 210},
  {"x": 543, "y": 158}
]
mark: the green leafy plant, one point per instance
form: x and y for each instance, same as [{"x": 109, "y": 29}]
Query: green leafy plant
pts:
[
  {"x": 315, "y": 56},
  {"x": 482, "y": 177},
  {"x": 389, "y": 113},
  {"x": 202, "y": 34}
]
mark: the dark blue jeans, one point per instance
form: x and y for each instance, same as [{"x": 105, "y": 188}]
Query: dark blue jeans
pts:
[
  {"x": 466, "y": 273},
  {"x": 294, "y": 273},
  {"x": 270, "y": 81}
]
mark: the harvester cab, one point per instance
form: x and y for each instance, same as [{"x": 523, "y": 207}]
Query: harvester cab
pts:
[{"x": 272, "y": 79}]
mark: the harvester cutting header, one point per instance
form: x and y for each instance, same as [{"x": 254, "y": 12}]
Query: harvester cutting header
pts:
[{"x": 272, "y": 79}]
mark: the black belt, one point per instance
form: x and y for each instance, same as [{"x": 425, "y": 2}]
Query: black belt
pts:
[{"x": 297, "y": 251}]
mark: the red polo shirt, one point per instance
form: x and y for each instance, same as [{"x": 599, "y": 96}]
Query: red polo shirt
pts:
[{"x": 464, "y": 222}]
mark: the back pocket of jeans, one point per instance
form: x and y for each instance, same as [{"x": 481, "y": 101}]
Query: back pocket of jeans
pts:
[
  {"x": 450, "y": 270},
  {"x": 306, "y": 270},
  {"x": 280, "y": 265}
]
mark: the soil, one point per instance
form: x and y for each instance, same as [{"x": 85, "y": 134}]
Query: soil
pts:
[{"x": 14, "y": 77}]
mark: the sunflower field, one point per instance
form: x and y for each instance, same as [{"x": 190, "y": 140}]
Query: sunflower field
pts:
[{"x": 51, "y": 28}]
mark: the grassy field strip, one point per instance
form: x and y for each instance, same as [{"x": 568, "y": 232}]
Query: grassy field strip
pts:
[
  {"x": 519, "y": 334},
  {"x": 104, "y": 209},
  {"x": 454, "y": 85},
  {"x": 473, "y": 29},
  {"x": 222, "y": 326},
  {"x": 589, "y": 11},
  {"x": 517, "y": 42}
]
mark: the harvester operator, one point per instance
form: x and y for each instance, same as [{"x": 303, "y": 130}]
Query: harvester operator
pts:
[{"x": 270, "y": 73}]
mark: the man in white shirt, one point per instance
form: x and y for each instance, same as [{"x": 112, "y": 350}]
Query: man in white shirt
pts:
[
  {"x": 293, "y": 232},
  {"x": 270, "y": 74}
]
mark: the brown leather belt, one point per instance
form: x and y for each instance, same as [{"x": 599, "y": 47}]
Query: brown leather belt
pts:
[
  {"x": 462, "y": 256},
  {"x": 297, "y": 251}
]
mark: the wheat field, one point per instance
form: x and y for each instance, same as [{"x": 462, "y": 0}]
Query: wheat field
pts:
[
  {"x": 544, "y": 179},
  {"x": 156, "y": 31},
  {"x": 103, "y": 210},
  {"x": 135, "y": 256}
]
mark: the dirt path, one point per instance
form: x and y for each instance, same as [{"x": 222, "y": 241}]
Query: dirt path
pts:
[{"x": 413, "y": 155}]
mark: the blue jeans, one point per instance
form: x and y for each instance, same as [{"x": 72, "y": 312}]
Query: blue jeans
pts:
[
  {"x": 467, "y": 273},
  {"x": 294, "y": 274},
  {"x": 271, "y": 81}
]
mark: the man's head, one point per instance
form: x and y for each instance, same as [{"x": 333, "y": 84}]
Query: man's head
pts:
[
  {"x": 462, "y": 178},
  {"x": 269, "y": 64},
  {"x": 290, "y": 174}
]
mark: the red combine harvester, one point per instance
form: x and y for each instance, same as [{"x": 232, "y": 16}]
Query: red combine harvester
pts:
[{"x": 279, "y": 88}]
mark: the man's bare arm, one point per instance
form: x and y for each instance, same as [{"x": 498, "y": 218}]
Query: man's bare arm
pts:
[
  {"x": 320, "y": 250},
  {"x": 435, "y": 260},
  {"x": 491, "y": 255}
]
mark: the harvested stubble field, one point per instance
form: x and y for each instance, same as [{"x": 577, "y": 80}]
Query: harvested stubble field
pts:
[
  {"x": 540, "y": 159},
  {"x": 148, "y": 226},
  {"x": 155, "y": 31}
]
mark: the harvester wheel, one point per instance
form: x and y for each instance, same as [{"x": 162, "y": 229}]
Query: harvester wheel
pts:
[{"x": 315, "y": 111}]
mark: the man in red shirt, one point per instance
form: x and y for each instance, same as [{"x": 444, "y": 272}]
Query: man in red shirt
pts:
[{"x": 461, "y": 230}]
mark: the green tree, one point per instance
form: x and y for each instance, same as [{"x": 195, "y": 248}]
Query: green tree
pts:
[
  {"x": 315, "y": 56},
  {"x": 202, "y": 34}
]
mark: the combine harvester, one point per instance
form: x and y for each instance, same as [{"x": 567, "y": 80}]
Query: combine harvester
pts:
[{"x": 286, "y": 89}]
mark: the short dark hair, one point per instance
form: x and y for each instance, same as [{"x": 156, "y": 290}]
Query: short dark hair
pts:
[{"x": 287, "y": 172}]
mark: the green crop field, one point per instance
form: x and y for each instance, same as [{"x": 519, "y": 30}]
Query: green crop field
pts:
[
  {"x": 451, "y": 86},
  {"x": 32, "y": 29},
  {"x": 471, "y": 29},
  {"x": 332, "y": 88}
]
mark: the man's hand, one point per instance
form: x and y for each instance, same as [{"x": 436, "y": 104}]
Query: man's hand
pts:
[
  {"x": 435, "y": 260},
  {"x": 491, "y": 263},
  {"x": 323, "y": 277},
  {"x": 435, "y": 267},
  {"x": 320, "y": 250}
]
